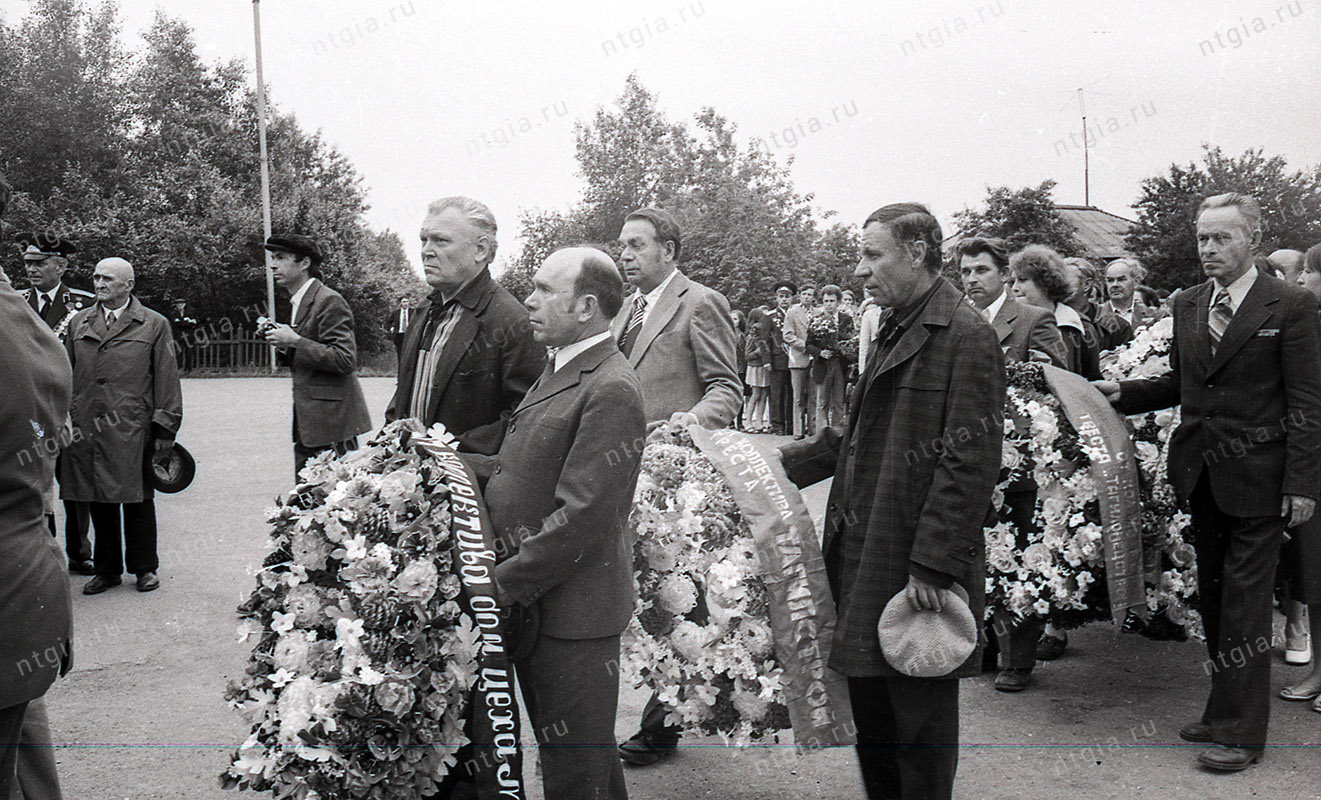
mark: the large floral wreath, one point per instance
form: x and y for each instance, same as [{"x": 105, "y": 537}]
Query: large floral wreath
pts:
[{"x": 358, "y": 683}]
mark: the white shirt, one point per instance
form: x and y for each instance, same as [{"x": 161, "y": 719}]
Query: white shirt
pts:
[
  {"x": 1126, "y": 314},
  {"x": 1067, "y": 317},
  {"x": 994, "y": 308},
  {"x": 654, "y": 295},
  {"x": 112, "y": 314},
  {"x": 50, "y": 296},
  {"x": 566, "y": 353},
  {"x": 867, "y": 329},
  {"x": 1238, "y": 289},
  {"x": 298, "y": 298}
]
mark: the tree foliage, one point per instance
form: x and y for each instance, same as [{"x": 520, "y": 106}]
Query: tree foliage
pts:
[
  {"x": 745, "y": 226},
  {"x": 1165, "y": 238},
  {"x": 151, "y": 155},
  {"x": 1021, "y": 217}
]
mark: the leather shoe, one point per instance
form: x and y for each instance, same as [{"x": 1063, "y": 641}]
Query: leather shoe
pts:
[
  {"x": 147, "y": 581},
  {"x": 1013, "y": 680},
  {"x": 100, "y": 584},
  {"x": 1050, "y": 648},
  {"x": 640, "y": 751},
  {"x": 82, "y": 567},
  {"x": 1228, "y": 759},
  {"x": 1196, "y": 732}
]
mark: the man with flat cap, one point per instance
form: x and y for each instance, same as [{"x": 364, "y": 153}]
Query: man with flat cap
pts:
[
  {"x": 322, "y": 353},
  {"x": 45, "y": 258},
  {"x": 127, "y": 407}
]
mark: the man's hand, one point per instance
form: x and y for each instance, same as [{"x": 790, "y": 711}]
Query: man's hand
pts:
[
  {"x": 827, "y": 354},
  {"x": 161, "y": 452},
  {"x": 1108, "y": 388},
  {"x": 282, "y": 336},
  {"x": 924, "y": 596},
  {"x": 1297, "y": 509},
  {"x": 683, "y": 419}
]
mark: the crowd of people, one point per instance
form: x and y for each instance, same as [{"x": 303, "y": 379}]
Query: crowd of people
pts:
[{"x": 549, "y": 396}]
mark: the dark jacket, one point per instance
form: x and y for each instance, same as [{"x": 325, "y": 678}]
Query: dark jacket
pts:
[
  {"x": 832, "y": 340},
  {"x": 328, "y": 402},
  {"x": 1022, "y": 328},
  {"x": 774, "y": 335},
  {"x": 914, "y": 471},
  {"x": 1251, "y": 414},
  {"x": 67, "y": 303},
  {"x": 561, "y": 492},
  {"x": 487, "y": 366},
  {"x": 35, "y": 612}
]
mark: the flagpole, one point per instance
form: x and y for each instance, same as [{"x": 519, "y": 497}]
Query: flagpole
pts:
[{"x": 265, "y": 170}]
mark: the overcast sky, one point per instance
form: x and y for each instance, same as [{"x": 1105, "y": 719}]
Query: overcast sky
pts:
[{"x": 876, "y": 102}]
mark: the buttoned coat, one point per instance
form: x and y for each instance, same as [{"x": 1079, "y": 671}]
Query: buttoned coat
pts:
[
  {"x": 686, "y": 354},
  {"x": 126, "y": 394},
  {"x": 35, "y": 612},
  {"x": 913, "y": 474},
  {"x": 1022, "y": 328},
  {"x": 485, "y": 368},
  {"x": 328, "y": 402},
  {"x": 1250, "y": 415},
  {"x": 560, "y": 495}
]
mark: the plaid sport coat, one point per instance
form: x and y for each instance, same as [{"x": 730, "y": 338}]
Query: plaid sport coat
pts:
[{"x": 913, "y": 474}]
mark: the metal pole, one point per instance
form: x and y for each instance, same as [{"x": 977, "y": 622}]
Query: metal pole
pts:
[
  {"x": 1086, "y": 161},
  {"x": 265, "y": 170}
]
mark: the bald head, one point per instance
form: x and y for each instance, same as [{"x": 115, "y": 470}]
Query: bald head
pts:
[
  {"x": 1288, "y": 262},
  {"x": 113, "y": 281},
  {"x": 575, "y": 294}
]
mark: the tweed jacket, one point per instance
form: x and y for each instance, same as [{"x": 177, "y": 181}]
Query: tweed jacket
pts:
[
  {"x": 914, "y": 471},
  {"x": 1250, "y": 415},
  {"x": 328, "y": 402},
  {"x": 35, "y": 626},
  {"x": 560, "y": 495},
  {"x": 487, "y": 366},
  {"x": 1022, "y": 328},
  {"x": 686, "y": 354}
]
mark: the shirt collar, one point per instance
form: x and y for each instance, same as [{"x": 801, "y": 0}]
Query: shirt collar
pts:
[
  {"x": 654, "y": 295},
  {"x": 994, "y": 308},
  {"x": 53, "y": 293},
  {"x": 909, "y": 313},
  {"x": 302, "y": 290},
  {"x": 463, "y": 295},
  {"x": 118, "y": 312},
  {"x": 566, "y": 353},
  {"x": 1239, "y": 288},
  {"x": 1066, "y": 316}
]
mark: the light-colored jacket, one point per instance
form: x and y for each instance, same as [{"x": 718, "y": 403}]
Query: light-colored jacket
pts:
[{"x": 796, "y": 320}]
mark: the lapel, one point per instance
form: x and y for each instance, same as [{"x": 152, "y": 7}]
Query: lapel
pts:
[
  {"x": 621, "y": 319},
  {"x": 305, "y": 305},
  {"x": 1194, "y": 333},
  {"x": 465, "y": 330},
  {"x": 568, "y": 376},
  {"x": 1252, "y": 312},
  {"x": 131, "y": 313},
  {"x": 1004, "y": 320},
  {"x": 666, "y": 307}
]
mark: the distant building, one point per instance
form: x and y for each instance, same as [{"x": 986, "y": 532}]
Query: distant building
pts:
[{"x": 1100, "y": 233}]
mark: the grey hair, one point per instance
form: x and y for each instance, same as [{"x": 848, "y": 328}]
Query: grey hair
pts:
[
  {"x": 1246, "y": 204},
  {"x": 477, "y": 213},
  {"x": 1139, "y": 271}
]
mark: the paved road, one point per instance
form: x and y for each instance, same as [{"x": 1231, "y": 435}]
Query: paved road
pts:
[{"x": 143, "y": 716}]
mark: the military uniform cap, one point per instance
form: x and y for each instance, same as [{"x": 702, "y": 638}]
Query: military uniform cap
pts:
[
  {"x": 41, "y": 245},
  {"x": 299, "y": 245}
]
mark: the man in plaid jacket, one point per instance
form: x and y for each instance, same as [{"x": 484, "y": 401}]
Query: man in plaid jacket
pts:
[{"x": 913, "y": 474}]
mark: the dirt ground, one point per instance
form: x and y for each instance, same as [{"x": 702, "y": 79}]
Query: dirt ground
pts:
[{"x": 143, "y": 716}]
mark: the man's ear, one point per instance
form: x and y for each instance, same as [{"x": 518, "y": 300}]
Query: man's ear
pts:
[
  {"x": 588, "y": 306},
  {"x": 918, "y": 250},
  {"x": 484, "y": 249}
]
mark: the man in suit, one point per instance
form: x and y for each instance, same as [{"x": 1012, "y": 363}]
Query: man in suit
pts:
[
  {"x": 679, "y": 336},
  {"x": 1245, "y": 457},
  {"x": 1122, "y": 278},
  {"x": 127, "y": 407},
  {"x": 321, "y": 351},
  {"x": 46, "y": 257},
  {"x": 468, "y": 357},
  {"x": 794, "y": 330},
  {"x": 781, "y": 397},
  {"x": 1026, "y": 333},
  {"x": 904, "y": 516},
  {"x": 1087, "y": 286},
  {"x": 399, "y": 322},
  {"x": 559, "y": 500}
]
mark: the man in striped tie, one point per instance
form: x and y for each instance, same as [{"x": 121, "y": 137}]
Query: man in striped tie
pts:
[{"x": 1246, "y": 458}]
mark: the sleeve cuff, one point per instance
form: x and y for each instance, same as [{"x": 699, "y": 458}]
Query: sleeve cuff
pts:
[{"x": 938, "y": 579}]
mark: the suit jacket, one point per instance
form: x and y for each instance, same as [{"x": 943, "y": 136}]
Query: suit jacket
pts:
[
  {"x": 1112, "y": 330},
  {"x": 34, "y": 587},
  {"x": 67, "y": 303},
  {"x": 914, "y": 471},
  {"x": 774, "y": 335},
  {"x": 1143, "y": 314},
  {"x": 328, "y": 402},
  {"x": 1022, "y": 328},
  {"x": 126, "y": 394},
  {"x": 794, "y": 334},
  {"x": 816, "y": 342},
  {"x": 686, "y": 354},
  {"x": 487, "y": 366},
  {"x": 561, "y": 493},
  {"x": 1250, "y": 415}
]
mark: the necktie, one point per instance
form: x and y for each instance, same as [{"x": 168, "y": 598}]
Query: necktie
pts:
[
  {"x": 45, "y": 306},
  {"x": 1218, "y": 320},
  {"x": 109, "y": 318},
  {"x": 630, "y": 335}
]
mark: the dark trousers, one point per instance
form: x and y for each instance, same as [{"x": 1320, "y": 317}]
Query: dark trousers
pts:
[
  {"x": 908, "y": 736},
  {"x": 1236, "y": 561},
  {"x": 37, "y": 776},
  {"x": 11, "y": 727},
  {"x": 77, "y": 524},
  {"x": 781, "y": 400},
  {"x": 302, "y": 454},
  {"x": 1017, "y": 639},
  {"x": 138, "y": 551},
  {"x": 653, "y": 726},
  {"x": 571, "y": 689}
]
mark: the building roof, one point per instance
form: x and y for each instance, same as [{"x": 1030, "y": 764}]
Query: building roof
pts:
[{"x": 1100, "y": 233}]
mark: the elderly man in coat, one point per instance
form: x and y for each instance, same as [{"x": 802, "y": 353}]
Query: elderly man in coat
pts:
[
  {"x": 913, "y": 474},
  {"x": 127, "y": 407}
]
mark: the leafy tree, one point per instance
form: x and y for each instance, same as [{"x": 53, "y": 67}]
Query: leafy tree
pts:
[
  {"x": 1022, "y": 217},
  {"x": 1165, "y": 239}
]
